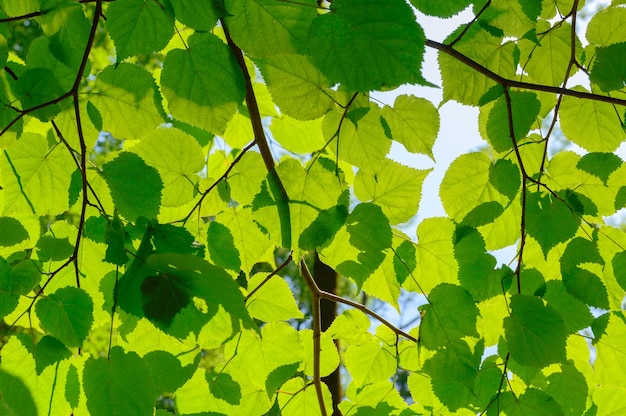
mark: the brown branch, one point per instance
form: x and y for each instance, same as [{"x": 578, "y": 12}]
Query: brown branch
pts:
[
  {"x": 22, "y": 17},
  {"x": 316, "y": 296},
  {"x": 509, "y": 83},
  {"x": 276, "y": 185},
  {"x": 274, "y": 273}
]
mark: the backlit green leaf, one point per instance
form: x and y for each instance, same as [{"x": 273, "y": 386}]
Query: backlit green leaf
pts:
[
  {"x": 579, "y": 282},
  {"x": 203, "y": 84},
  {"x": 525, "y": 108},
  {"x": 394, "y": 187},
  {"x": 126, "y": 98},
  {"x": 440, "y": 8},
  {"x": 592, "y": 125},
  {"x": 273, "y": 301},
  {"x": 199, "y": 16},
  {"x": 607, "y": 26},
  {"x": 414, "y": 122},
  {"x": 266, "y": 28},
  {"x": 15, "y": 397},
  {"x": 36, "y": 176}
]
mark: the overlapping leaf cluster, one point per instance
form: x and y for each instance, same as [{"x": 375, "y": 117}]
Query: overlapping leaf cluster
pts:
[{"x": 157, "y": 157}]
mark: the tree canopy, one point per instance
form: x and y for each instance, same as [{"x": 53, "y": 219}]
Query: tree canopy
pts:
[{"x": 169, "y": 168}]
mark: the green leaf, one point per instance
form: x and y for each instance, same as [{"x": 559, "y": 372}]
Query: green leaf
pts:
[
  {"x": 548, "y": 63},
  {"x": 273, "y": 301},
  {"x": 39, "y": 87},
  {"x": 198, "y": 16},
  {"x": 414, "y": 122},
  {"x": 221, "y": 246},
  {"x": 119, "y": 385},
  {"x": 453, "y": 371},
  {"x": 264, "y": 28},
  {"x": 608, "y": 68},
  {"x": 394, "y": 187},
  {"x": 15, "y": 397},
  {"x": 72, "y": 387},
  {"x": 549, "y": 221},
  {"x": 323, "y": 228},
  {"x": 370, "y": 363},
  {"x": 203, "y": 84},
  {"x": 592, "y": 125},
  {"x": 296, "y": 135},
  {"x": 13, "y": 232},
  {"x": 610, "y": 353},
  {"x": 24, "y": 276},
  {"x": 67, "y": 314},
  {"x": 298, "y": 398},
  {"x": 178, "y": 158},
  {"x": 367, "y": 45},
  {"x": 50, "y": 248},
  {"x": 441, "y": 8},
  {"x": 476, "y": 267},
  {"x": 524, "y": 109},
  {"x": 9, "y": 299},
  {"x": 607, "y": 26},
  {"x": 535, "y": 333},
  {"x": 601, "y": 165},
  {"x": 138, "y": 27},
  {"x": 49, "y": 351},
  {"x": 619, "y": 268},
  {"x": 569, "y": 388},
  {"x": 531, "y": 402},
  {"x": 297, "y": 87},
  {"x": 114, "y": 237},
  {"x": 360, "y": 221},
  {"x": 574, "y": 312},
  {"x": 467, "y": 184},
  {"x": 36, "y": 176},
  {"x": 450, "y": 316},
  {"x": 582, "y": 283},
  {"x": 223, "y": 387},
  {"x": 133, "y": 199},
  {"x": 163, "y": 296},
  {"x": 166, "y": 371},
  {"x": 127, "y": 99}
]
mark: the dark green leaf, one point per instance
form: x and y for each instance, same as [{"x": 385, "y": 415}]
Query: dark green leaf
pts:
[
  {"x": 24, "y": 276},
  {"x": 524, "y": 107},
  {"x": 15, "y": 397},
  {"x": 200, "y": 16},
  {"x": 13, "y": 232},
  {"x": 504, "y": 175},
  {"x": 72, "y": 387},
  {"x": 163, "y": 296},
  {"x": 133, "y": 198},
  {"x": 323, "y": 228},
  {"x": 574, "y": 312},
  {"x": 535, "y": 333},
  {"x": 138, "y": 27},
  {"x": 364, "y": 218},
  {"x": 601, "y": 165},
  {"x": 582, "y": 283},
  {"x": 368, "y": 45},
  {"x": 453, "y": 371},
  {"x": 476, "y": 266},
  {"x": 114, "y": 237},
  {"x": 483, "y": 214},
  {"x": 67, "y": 314},
  {"x": 619, "y": 268},
  {"x": 609, "y": 68},
  {"x": 223, "y": 387},
  {"x": 50, "y": 248},
  {"x": 49, "y": 351},
  {"x": 119, "y": 385},
  {"x": 166, "y": 371},
  {"x": 441, "y": 8},
  {"x": 549, "y": 221},
  {"x": 37, "y": 87},
  {"x": 404, "y": 260},
  {"x": 221, "y": 246},
  {"x": 450, "y": 316}
]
